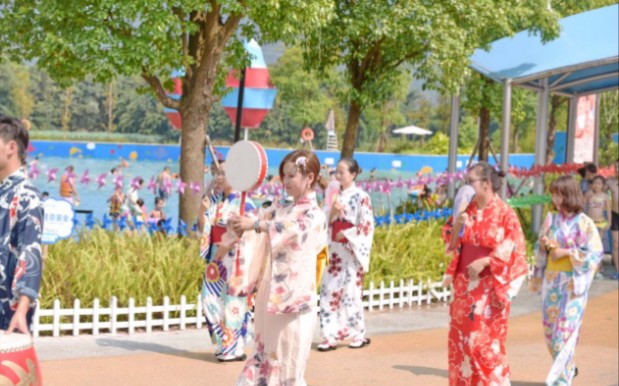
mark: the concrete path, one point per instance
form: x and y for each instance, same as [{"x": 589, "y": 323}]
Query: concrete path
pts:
[{"x": 408, "y": 348}]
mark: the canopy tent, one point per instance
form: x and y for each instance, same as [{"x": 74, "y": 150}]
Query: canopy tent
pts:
[
  {"x": 412, "y": 130},
  {"x": 583, "y": 60}
]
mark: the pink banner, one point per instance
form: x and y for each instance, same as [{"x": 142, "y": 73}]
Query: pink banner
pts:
[{"x": 584, "y": 141}]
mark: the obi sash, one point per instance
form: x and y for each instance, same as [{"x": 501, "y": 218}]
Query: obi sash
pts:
[
  {"x": 469, "y": 254},
  {"x": 338, "y": 226},
  {"x": 563, "y": 264},
  {"x": 217, "y": 233}
]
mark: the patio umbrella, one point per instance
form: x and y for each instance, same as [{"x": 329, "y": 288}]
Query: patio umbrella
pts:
[{"x": 412, "y": 130}]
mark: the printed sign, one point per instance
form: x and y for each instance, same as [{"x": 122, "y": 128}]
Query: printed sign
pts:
[{"x": 58, "y": 222}]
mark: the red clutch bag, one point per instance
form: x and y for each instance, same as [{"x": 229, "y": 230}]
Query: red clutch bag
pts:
[
  {"x": 469, "y": 254},
  {"x": 338, "y": 226},
  {"x": 217, "y": 233}
]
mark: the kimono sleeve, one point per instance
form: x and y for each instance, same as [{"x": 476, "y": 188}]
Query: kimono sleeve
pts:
[
  {"x": 446, "y": 234},
  {"x": 287, "y": 231},
  {"x": 205, "y": 241},
  {"x": 508, "y": 263},
  {"x": 540, "y": 254},
  {"x": 360, "y": 237},
  {"x": 253, "y": 252},
  {"x": 27, "y": 279},
  {"x": 585, "y": 254}
]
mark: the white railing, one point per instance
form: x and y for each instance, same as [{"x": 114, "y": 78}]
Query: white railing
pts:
[{"x": 113, "y": 319}]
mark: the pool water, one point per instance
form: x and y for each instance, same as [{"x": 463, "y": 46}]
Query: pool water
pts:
[{"x": 94, "y": 198}]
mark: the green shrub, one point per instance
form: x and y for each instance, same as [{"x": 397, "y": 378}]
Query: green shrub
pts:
[
  {"x": 410, "y": 251},
  {"x": 105, "y": 264}
]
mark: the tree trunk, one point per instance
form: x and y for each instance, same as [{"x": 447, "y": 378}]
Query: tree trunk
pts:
[
  {"x": 66, "y": 112},
  {"x": 484, "y": 133},
  {"x": 514, "y": 141},
  {"x": 352, "y": 127},
  {"x": 193, "y": 144},
  {"x": 555, "y": 102},
  {"x": 110, "y": 107}
]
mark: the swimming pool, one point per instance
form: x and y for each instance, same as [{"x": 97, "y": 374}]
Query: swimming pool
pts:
[{"x": 94, "y": 198}]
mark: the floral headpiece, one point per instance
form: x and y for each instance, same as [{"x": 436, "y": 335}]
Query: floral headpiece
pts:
[{"x": 301, "y": 162}]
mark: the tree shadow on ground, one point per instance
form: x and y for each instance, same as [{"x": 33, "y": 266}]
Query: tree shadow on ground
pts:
[
  {"x": 421, "y": 370},
  {"x": 156, "y": 348}
]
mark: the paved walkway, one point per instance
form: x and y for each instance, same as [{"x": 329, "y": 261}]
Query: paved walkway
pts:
[{"x": 408, "y": 347}]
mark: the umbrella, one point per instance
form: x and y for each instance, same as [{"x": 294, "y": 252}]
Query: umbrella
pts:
[{"x": 412, "y": 130}]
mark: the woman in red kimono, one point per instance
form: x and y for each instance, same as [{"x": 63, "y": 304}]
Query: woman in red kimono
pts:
[{"x": 487, "y": 270}]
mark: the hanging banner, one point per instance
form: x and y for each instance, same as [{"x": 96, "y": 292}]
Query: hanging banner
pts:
[{"x": 584, "y": 141}]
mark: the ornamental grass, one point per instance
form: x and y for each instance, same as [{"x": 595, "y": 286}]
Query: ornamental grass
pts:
[{"x": 102, "y": 264}]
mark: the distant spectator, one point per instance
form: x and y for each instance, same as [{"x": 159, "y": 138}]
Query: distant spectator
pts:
[
  {"x": 44, "y": 196},
  {"x": 144, "y": 212},
  {"x": 613, "y": 187},
  {"x": 163, "y": 183},
  {"x": 132, "y": 199},
  {"x": 158, "y": 212},
  {"x": 67, "y": 186},
  {"x": 587, "y": 173}
]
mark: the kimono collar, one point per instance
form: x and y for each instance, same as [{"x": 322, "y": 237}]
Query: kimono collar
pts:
[
  {"x": 491, "y": 204},
  {"x": 568, "y": 217},
  {"x": 350, "y": 188},
  {"x": 11, "y": 180},
  {"x": 309, "y": 198},
  {"x": 230, "y": 196}
]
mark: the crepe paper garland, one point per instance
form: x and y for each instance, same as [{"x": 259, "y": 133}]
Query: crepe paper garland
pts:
[{"x": 527, "y": 201}]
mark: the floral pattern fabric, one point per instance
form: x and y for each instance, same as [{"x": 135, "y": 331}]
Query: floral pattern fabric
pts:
[
  {"x": 283, "y": 267},
  {"x": 341, "y": 307},
  {"x": 21, "y": 225},
  {"x": 564, "y": 294},
  {"x": 227, "y": 316},
  {"x": 480, "y": 307}
]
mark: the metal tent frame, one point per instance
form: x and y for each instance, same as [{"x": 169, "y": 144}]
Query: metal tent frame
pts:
[{"x": 583, "y": 60}]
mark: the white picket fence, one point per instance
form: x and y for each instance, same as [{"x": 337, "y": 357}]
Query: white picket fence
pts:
[{"x": 131, "y": 319}]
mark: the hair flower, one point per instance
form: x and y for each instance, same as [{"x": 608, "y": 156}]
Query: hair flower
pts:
[{"x": 301, "y": 161}]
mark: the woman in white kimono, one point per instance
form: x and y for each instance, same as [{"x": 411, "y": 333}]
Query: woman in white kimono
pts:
[
  {"x": 227, "y": 316},
  {"x": 352, "y": 230},
  {"x": 284, "y": 242}
]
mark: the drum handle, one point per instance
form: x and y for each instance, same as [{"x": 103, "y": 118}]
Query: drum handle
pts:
[
  {"x": 211, "y": 185},
  {"x": 238, "y": 249}
]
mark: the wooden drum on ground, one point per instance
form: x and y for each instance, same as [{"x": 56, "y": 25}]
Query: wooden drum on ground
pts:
[{"x": 18, "y": 361}]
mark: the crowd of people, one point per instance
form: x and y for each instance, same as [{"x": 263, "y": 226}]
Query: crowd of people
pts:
[{"x": 272, "y": 260}]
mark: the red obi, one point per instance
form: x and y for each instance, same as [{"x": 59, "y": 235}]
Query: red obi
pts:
[
  {"x": 469, "y": 254},
  {"x": 217, "y": 233},
  {"x": 338, "y": 226}
]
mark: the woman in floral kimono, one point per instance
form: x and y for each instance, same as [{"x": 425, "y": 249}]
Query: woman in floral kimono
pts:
[
  {"x": 284, "y": 242},
  {"x": 487, "y": 270},
  {"x": 227, "y": 316},
  {"x": 352, "y": 230},
  {"x": 569, "y": 251}
]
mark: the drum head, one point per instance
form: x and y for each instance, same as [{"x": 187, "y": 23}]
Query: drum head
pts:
[
  {"x": 14, "y": 342},
  {"x": 246, "y": 166},
  {"x": 463, "y": 199}
]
